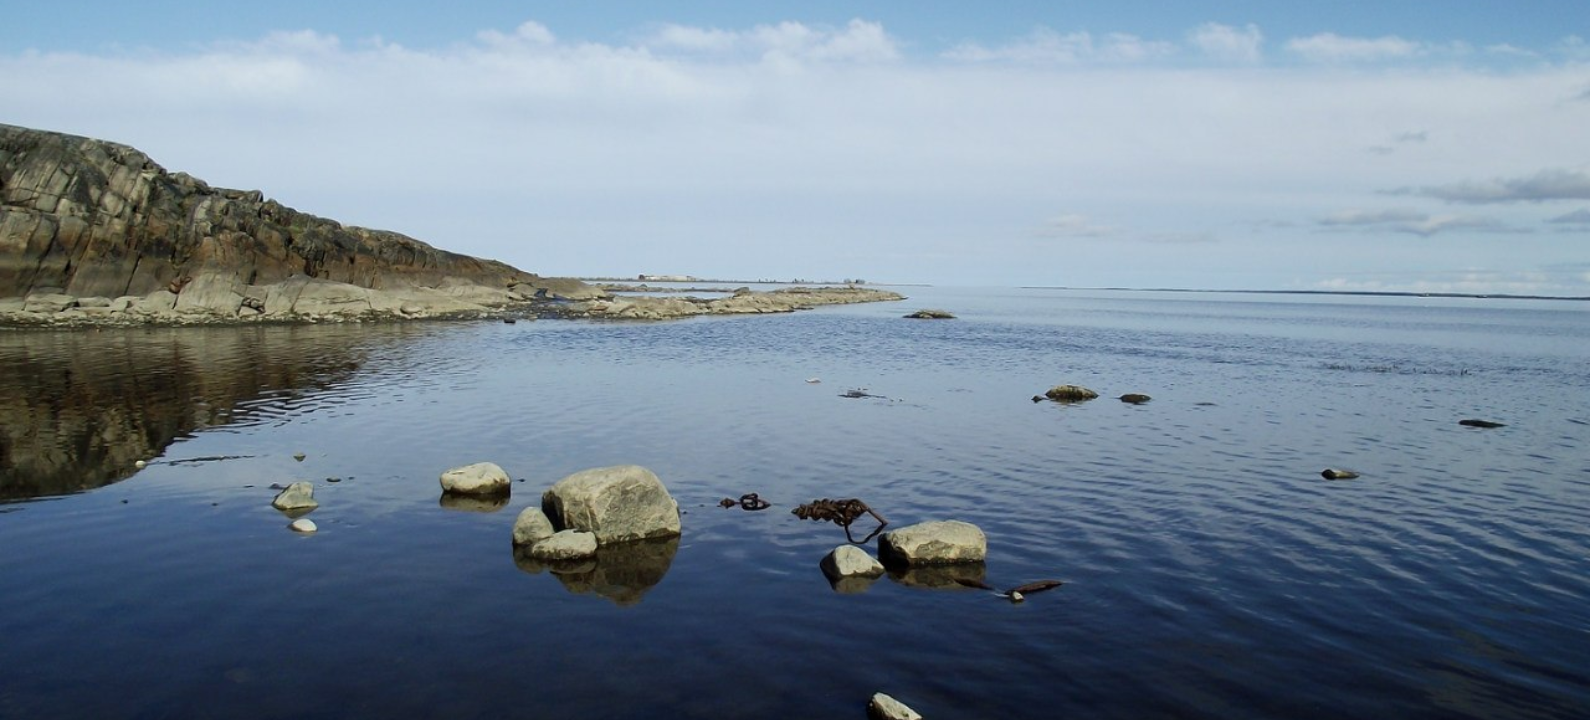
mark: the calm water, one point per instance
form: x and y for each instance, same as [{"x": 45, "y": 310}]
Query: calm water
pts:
[{"x": 1210, "y": 572}]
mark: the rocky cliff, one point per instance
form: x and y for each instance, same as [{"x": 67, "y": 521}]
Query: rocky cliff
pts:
[{"x": 87, "y": 218}]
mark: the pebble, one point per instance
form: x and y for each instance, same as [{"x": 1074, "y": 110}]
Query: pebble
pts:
[
  {"x": 303, "y": 525},
  {"x": 140, "y": 464}
]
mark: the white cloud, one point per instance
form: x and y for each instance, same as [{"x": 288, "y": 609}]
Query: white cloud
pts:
[
  {"x": 1047, "y": 47},
  {"x": 1227, "y": 43},
  {"x": 858, "y": 41},
  {"x": 786, "y": 148},
  {"x": 1333, "y": 48}
]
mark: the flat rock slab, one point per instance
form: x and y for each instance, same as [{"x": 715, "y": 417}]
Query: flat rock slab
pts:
[
  {"x": 884, "y": 707},
  {"x": 565, "y": 545},
  {"x": 940, "y": 542}
]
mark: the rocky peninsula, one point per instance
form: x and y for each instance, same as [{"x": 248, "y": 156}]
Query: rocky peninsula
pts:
[{"x": 95, "y": 233}]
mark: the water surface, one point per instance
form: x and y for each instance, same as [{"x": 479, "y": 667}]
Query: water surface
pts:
[{"x": 1210, "y": 571}]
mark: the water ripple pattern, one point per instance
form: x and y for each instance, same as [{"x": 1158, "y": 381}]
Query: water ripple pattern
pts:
[{"x": 1210, "y": 571}]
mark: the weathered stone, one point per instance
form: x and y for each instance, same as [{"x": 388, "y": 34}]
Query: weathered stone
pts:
[
  {"x": 1135, "y": 398},
  {"x": 617, "y": 504},
  {"x": 1335, "y": 474},
  {"x": 850, "y": 561},
  {"x": 482, "y": 478},
  {"x": 49, "y": 302},
  {"x": 1070, "y": 393},
  {"x": 931, "y": 315},
  {"x": 297, "y": 496},
  {"x": 531, "y": 527},
  {"x": 159, "y": 301},
  {"x": 565, "y": 545},
  {"x": 883, "y": 707},
  {"x": 303, "y": 525},
  {"x": 934, "y": 543}
]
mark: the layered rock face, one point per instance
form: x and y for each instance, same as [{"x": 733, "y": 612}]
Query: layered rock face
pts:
[{"x": 90, "y": 218}]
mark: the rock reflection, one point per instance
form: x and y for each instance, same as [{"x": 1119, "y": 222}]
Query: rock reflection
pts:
[
  {"x": 852, "y": 585},
  {"x": 621, "y": 572},
  {"x": 938, "y": 576},
  {"x": 474, "y": 503},
  {"x": 77, "y": 409}
]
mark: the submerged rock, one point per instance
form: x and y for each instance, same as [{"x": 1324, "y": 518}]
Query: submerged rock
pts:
[
  {"x": 1070, "y": 393},
  {"x": 1481, "y": 423},
  {"x": 850, "y": 561},
  {"x": 565, "y": 545},
  {"x": 883, "y": 707},
  {"x": 482, "y": 478},
  {"x": 297, "y": 496},
  {"x": 617, "y": 504},
  {"x": 940, "y": 542}
]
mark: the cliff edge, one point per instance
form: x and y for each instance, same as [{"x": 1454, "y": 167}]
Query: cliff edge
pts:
[{"x": 85, "y": 218}]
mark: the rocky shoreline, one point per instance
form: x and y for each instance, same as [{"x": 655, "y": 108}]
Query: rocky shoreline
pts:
[
  {"x": 309, "y": 300},
  {"x": 96, "y": 234}
]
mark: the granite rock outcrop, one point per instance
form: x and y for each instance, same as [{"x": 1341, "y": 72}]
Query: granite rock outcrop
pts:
[{"x": 88, "y": 219}]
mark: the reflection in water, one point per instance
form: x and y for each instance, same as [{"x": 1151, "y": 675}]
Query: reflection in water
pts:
[
  {"x": 622, "y": 572},
  {"x": 77, "y": 409},
  {"x": 939, "y": 576},
  {"x": 474, "y": 503}
]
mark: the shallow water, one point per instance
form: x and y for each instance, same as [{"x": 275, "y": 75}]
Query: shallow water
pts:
[{"x": 1210, "y": 571}]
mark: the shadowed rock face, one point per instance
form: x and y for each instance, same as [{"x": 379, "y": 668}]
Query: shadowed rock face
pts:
[{"x": 95, "y": 218}]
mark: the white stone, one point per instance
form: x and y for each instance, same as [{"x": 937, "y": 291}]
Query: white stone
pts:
[
  {"x": 532, "y": 526},
  {"x": 934, "y": 543},
  {"x": 481, "y": 478},
  {"x": 565, "y": 545},
  {"x": 303, "y": 525},
  {"x": 850, "y": 561},
  {"x": 617, "y": 504},
  {"x": 883, "y": 707},
  {"x": 297, "y": 496}
]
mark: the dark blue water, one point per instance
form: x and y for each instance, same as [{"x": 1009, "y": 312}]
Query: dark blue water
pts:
[{"x": 1210, "y": 571}]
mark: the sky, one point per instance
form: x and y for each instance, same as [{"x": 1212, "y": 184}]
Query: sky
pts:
[{"x": 1357, "y": 146}]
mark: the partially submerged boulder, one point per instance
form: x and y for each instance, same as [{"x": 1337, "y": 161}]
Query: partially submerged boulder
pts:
[
  {"x": 848, "y": 561},
  {"x": 940, "y": 542},
  {"x": 297, "y": 496},
  {"x": 1135, "y": 398},
  {"x": 883, "y": 707},
  {"x": 1070, "y": 393},
  {"x": 931, "y": 315},
  {"x": 616, "y": 504},
  {"x": 1481, "y": 423},
  {"x": 482, "y": 478},
  {"x": 565, "y": 545},
  {"x": 1337, "y": 474}
]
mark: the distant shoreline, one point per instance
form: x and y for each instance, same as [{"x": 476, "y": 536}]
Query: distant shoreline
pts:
[{"x": 1348, "y": 293}]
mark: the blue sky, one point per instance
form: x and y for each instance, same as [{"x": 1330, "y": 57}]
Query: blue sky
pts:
[{"x": 1407, "y": 146}]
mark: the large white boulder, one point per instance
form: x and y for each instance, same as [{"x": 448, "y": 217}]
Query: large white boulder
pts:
[
  {"x": 617, "y": 504},
  {"x": 940, "y": 542},
  {"x": 482, "y": 478}
]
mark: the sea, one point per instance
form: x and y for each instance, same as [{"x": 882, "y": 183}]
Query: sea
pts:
[{"x": 1208, "y": 569}]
